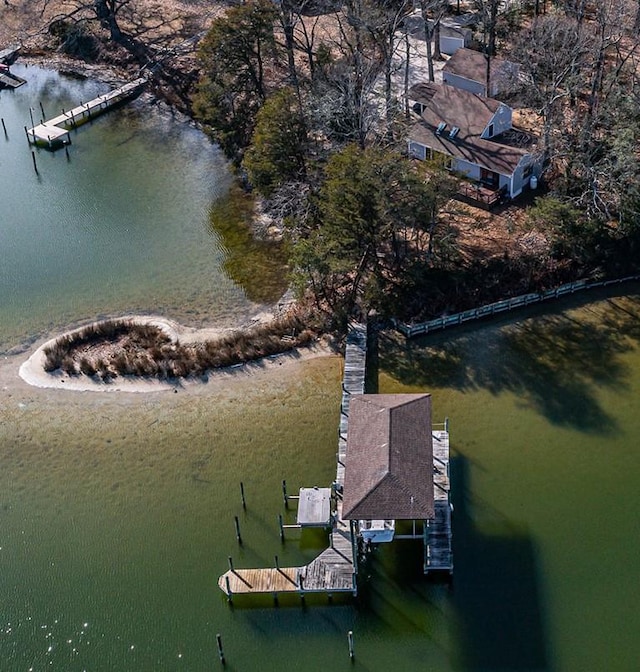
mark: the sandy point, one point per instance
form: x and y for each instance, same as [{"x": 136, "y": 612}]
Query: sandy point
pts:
[{"x": 33, "y": 373}]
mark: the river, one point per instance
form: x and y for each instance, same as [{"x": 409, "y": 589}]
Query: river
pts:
[{"x": 116, "y": 510}]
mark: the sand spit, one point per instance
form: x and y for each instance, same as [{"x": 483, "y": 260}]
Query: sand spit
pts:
[{"x": 32, "y": 370}]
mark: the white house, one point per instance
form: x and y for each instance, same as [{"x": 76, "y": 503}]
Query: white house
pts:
[{"x": 476, "y": 137}]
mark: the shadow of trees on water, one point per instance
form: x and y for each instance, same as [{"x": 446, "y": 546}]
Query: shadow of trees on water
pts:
[{"x": 554, "y": 359}]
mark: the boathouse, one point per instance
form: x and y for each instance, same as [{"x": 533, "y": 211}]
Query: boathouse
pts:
[
  {"x": 393, "y": 473},
  {"x": 389, "y": 470}
]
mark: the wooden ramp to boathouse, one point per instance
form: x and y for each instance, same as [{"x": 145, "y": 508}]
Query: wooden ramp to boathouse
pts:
[
  {"x": 336, "y": 568},
  {"x": 438, "y": 554},
  {"x": 355, "y": 366},
  {"x": 55, "y": 132}
]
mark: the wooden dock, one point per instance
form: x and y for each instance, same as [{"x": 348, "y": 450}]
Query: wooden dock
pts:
[
  {"x": 9, "y": 55},
  {"x": 335, "y": 569},
  {"x": 355, "y": 365},
  {"x": 438, "y": 554},
  {"x": 54, "y": 132},
  {"x": 10, "y": 81}
]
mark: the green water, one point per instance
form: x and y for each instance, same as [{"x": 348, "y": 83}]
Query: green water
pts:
[
  {"x": 125, "y": 223},
  {"x": 116, "y": 510}
]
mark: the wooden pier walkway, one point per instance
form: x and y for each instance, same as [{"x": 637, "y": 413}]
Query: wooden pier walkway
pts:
[
  {"x": 335, "y": 569},
  {"x": 438, "y": 554},
  {"x": 355, "y": 363},
  {"x": 55, "y": 132}
]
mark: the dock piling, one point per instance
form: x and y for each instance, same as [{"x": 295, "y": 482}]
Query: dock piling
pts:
[
  {"x": 228, "y": 585},
  {"x": 4, "y": 128},
  {"x": 35, "y": 165},
  {"x": 230, "y": 564},
  {"x": 284, "y": 494},
  {"x": 237, "y": 525},
  {"x": 277, "y": 563},
  {"x": 42, "y": 110},
  {"x": 220, "y": 649},
  {"x": 244, "y": 501},
  {"x": 350, "y": 640},
  {"x": 281, "y": 527},
  {"x": 31, "y": 115}
]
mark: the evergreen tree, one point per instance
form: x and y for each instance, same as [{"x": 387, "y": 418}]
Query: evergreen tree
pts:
[{"x": 278, "y": 145}]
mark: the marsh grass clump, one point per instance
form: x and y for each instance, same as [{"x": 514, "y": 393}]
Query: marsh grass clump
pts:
[{"x": 122, "y": 348}]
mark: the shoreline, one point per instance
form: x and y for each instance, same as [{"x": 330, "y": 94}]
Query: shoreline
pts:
[{"x": 32, "y": 372}]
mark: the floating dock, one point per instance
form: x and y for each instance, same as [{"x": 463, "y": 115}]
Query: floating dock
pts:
[
  {"x": 335, "y": 569},
  {"x": 54, "y": 132}
]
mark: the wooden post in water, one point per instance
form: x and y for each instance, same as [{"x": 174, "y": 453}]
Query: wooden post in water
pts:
[
  {"x": 4, "y": 128},
  {"x": 228, "y": 586},
  {"x": 35, "y": 165},
  {"x": 220, "y": 650},
  {"x": 281, "y": 527},
  {"x": 31, "y": 115},
  {"x": 237, "y": 525},
  {"x": 277, "y": 563},
  {"x": 231, "y": 564},
  {"x": 350, "y": 640},
  {"x": 244, "y": 501},
  {"x": 284, "y": 494}
]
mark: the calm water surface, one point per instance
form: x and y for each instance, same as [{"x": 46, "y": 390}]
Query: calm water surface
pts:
[
  {"x": 126, "y": 223},
  {"x": 116, "y": 511}
]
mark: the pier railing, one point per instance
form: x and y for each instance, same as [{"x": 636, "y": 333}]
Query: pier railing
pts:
[{"x": 411, "y": 331}]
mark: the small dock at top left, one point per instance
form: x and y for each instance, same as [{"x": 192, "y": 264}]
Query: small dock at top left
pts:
[
  {"x": 7, "y": 79},
  {"x": 54, "y": 133}
]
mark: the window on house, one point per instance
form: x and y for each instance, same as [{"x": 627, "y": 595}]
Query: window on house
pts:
[{"x": 490, "y": 131}]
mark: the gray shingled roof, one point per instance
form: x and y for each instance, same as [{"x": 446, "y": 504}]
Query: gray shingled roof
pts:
[
  {"x": 389, "y": 468},
  {"x": 470, "y": 113}
]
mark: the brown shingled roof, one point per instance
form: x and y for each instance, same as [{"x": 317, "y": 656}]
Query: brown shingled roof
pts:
[
  {"x": 471, "y": 113},
  {"x": 389, "y": 468},
  {"x": 473, "y": 65}
]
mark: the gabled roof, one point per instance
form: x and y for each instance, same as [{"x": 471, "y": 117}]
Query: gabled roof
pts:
[
  {"x": 469, "y": 112},
  {"x": 473, "y": 65},
  {"x": 389, "y": 467}
]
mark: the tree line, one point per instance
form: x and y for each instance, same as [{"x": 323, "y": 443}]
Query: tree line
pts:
[{"x": 308, "y": 99}]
